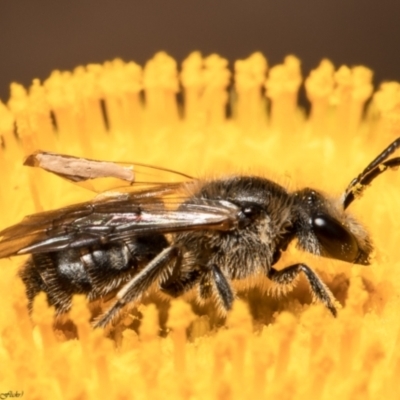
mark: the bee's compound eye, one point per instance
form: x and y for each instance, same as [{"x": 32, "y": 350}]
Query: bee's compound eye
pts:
[{"x": 336, "y": 241}]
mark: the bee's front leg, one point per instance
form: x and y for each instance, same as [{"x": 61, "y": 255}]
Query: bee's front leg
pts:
[{"x": 319, "y": 290}]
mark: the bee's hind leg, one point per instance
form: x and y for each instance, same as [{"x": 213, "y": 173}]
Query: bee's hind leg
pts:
[
  {"x": 319, "y": 290},
  {"x": 139, "y": 284}
]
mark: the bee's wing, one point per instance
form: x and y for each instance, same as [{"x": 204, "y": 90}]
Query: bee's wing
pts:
[
  {"x": 85, "y": 171},
  {"x": 112, "y": 219}
]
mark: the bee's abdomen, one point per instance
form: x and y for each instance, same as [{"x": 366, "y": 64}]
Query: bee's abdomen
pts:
[{"x": 94, "y": 272}]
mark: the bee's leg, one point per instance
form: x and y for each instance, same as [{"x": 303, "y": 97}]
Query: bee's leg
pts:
[
  {"x": 223, "y": 288},
  {"x": 176, "y": 284},
  {"x": 319, "y": 290},
  {"x": 211, "y": 281},
  {"x": 139, "y": 284}
]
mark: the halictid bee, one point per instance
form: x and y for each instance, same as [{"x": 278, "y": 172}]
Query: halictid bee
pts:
[{"x": 175, "y": 237}]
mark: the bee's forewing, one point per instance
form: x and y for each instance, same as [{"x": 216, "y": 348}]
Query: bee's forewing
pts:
[{"x": 113, "y": 219}]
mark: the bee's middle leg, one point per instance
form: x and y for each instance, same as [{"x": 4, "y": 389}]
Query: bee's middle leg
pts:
[
  {"x": 211, "y": 282},
  {"x": 222, "y": 288}
]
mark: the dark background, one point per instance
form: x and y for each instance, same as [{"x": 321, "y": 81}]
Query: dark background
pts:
[{"x": 37, "y": 36}]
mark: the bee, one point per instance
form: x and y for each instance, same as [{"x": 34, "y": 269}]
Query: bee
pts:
[{"x": 184, "y": 235}]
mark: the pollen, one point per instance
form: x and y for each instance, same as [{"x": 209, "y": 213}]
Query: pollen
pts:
[{"x": 209, "y": 117}]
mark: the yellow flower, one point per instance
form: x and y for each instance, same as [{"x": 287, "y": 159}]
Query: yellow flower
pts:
[{"x": 269, "y": 348}]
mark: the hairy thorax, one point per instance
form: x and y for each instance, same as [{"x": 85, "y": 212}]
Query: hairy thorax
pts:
[{"x": 251, "y": 246}]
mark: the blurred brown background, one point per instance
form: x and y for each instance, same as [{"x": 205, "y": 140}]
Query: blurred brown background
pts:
[{"x": 41, "y": 35}]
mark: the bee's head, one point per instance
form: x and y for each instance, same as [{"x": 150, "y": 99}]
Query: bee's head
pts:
[{"x": 324, "y": 228}]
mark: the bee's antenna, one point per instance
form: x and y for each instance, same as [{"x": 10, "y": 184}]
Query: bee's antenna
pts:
[{"x": 379, "y": 165}]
